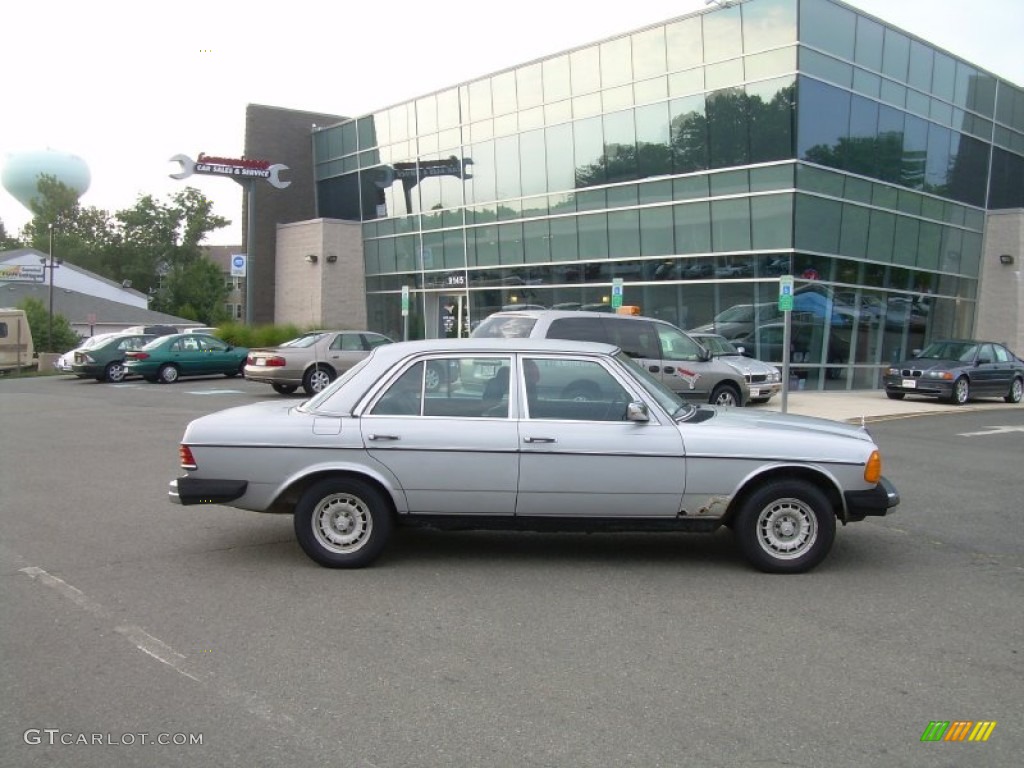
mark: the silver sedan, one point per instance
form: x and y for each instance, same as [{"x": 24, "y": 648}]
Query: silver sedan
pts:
[{"x": 499, "y": 445}]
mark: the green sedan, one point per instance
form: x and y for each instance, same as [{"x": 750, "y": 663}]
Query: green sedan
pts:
[
  {"x": 168, "y": 358},
  {"x": 105, "y": 361}
]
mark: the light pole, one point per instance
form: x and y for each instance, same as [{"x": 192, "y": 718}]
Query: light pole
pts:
[{"x": 49, "y": 338}]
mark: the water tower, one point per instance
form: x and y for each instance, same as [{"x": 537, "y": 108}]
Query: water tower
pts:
[{"x": 21, "y": 172}]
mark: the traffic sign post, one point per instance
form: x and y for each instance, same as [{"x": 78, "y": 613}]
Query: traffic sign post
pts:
[
  {"x": 616, "y": 293},
  {"x": 786, "y": 307},
  {"x": 405, "y": 313}
]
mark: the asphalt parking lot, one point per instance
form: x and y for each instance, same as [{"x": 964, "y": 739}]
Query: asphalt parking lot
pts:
[{"x": 126, "y": 618}]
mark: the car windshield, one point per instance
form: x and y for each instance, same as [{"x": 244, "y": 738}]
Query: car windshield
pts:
[
  {"x": 664, "y": 396},
  {"x": 305, "y": 340},
  {"x": 949, "y": 350},
  {"x": 504, "y": 327},
  {"x": 717, "y": 345},
  {"x": 739, "y": 313}
]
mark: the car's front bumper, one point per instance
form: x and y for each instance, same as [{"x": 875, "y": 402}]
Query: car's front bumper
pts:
[
  {"x": 193, "y": 490},
  {"x": 919, "y": 386},
  {"x": 874, "y": 502}
]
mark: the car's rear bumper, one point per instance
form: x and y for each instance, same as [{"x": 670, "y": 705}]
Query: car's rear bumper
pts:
[
  {"x": 874, "y": 502},
  {"x": 192, "y": 490},
  {"x": 272, "y": 375}
]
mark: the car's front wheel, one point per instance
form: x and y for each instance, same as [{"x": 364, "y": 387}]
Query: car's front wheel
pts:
[
  {"x": 725, "y": 394},
  {"x": 168, "y": 374},
  {"x": 786, "y": 526},
  {"x": 1016, "y": 391},
  {"x": 114, "y": 372},
  {"x": 316, "y": 379},
  {"x": 343, "y": 522},
  {"x": 961, "y": 391}
]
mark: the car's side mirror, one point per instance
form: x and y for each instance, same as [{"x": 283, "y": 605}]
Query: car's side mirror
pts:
[
  {"x": 743, "y": 351},
  {"x": 637, "y": 411}
]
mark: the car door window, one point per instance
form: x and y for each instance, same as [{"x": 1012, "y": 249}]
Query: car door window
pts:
[
  {"x": 637, "y": 338},
  {"x": 986, "y": 354},
  {"x": 371, "y": 340},
  {"x": 577, "y": 390},
  {"x": 470, "y": 387},
  {"x": 209, "y": 345},
  {"x": 348, "y": 342},
  {"x": 578, "y": 329},
  {"x": 1002, "y": 355},
  {"x": 404, "y": 396},
  {"x": 676, "y": 345}
]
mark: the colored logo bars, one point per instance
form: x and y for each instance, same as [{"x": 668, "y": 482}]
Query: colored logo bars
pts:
[{"x": 958, "y": 730}]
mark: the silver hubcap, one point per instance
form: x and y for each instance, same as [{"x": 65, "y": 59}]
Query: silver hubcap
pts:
[
  {"x": 786, "y": 529},
  {"x": 116, "y": 372},
  {"x": 726, "y": 398},
  {"x": 1017, "y": 391},
  {"x": 170, "y": 374},
  {"x": 319, "y": 380},
  {"x": 342, "y": 523},
  {"x": 961, "y": 391}
]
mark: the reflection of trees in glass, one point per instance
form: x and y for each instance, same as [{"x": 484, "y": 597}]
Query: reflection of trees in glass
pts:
[{"x": 737, "y": 128}]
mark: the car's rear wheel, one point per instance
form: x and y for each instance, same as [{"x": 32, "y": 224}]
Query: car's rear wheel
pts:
[
  {"x": 787, "y": 526},
  {"x": 343, "y": 522},
  {"x": 1016, "y": 391},
  {"x": 895, "y": 395},
  {"x": 168, "y": 374},
  {"x": 961, "y": 391},
  {"x": 239, "y": 371},
  {"x": 316, "y": 379},
  {"x": 284, "y": 389},
  {"x": 725, "y": 394},
  {"x": 114, "y": 372}
]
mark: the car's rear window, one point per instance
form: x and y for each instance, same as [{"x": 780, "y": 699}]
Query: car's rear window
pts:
[{"x": 505, "y": 327}]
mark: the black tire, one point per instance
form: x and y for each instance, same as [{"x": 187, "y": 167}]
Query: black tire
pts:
[
  {"x": 285, "y": 389},
  {"x": 343, "y": 522},
  {"x": 961, "y": 391},
  {"x": 725, "y": 394},
  {"x": 150, "y": 379},
  {"x": 168, "y": 374},
  {"x": 895, "y": 395},
  {"x": 240, "y": 371},
  {"x": 786, "y": 526},
  {"x": 114, "y": 372},
  {"x": 317, "y": 378},
  {"x": 1016, "y": 391}
]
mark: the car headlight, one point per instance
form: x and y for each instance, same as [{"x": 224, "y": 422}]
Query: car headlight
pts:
[
  {"x": 893, "y": 372},
  {"x": 946, "y": 375}
]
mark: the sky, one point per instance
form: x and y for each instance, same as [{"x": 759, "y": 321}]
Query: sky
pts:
[{"x": 126, "y": 85}]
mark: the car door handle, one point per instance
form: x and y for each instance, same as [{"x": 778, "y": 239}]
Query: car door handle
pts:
[
  {"x": 374, "y": 436},
  {"x": 669, "y": 369},
  {"x": 539, "y": 440},
  {"x": 653, "y": 368}
]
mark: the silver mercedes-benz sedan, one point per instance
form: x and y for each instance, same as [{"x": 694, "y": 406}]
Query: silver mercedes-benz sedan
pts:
[{"x": 509, "y": 442}]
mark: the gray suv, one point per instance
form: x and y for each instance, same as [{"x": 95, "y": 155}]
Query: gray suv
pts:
[{"x": 675, "y": 358}]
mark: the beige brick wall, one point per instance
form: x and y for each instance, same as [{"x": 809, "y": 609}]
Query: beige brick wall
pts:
[
  {"x": 1001, "y": 287},
  {"x": 329, "y": 292}
]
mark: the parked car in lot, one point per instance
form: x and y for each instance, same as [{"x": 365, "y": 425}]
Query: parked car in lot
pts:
[
  {"x": 104, "y": 360},
  {"x": 167, "y": 358},
  {"x": 957, "y": 370},
  {"x": 377, "y": 450},
  {"x": 312, "y": 361},
  {"x": 805, "y": 341},
  {"x": 664, "y": 350},
  {"x": 763, "y": 380}
]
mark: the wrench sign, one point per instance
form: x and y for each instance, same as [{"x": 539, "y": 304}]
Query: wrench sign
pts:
[{"x": 240, "y": 169}]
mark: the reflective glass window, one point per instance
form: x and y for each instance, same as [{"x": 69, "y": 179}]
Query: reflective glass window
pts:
[
  {"x": 557, "y": 79},
  {"x": 653, "y": 150},
  {"x": 689, "y": 132},
  {"x": 649, "y": 55},
  {"x": 506, "y": 164},
  {"x": 656, "y": 231},
  {"x": 826, "y": 68},
  {"x": 485, "y": 246},
  {"x": 530, "y": 86},
  {"x": 480, "y": 100},
  {"x": 593, "y": 229},
  {"x": 868, "y": 49},
  {"x": 723, "y": 34},
  {"x": 771, "y": 177},
  {"x": 586, "y": 106},
  {"x": 828, "y": 26},
  {"x": 770, "y": 63},
  {"x": 1007, "y": 184},
  {"x": 655, "y": 89},
  {"x": 944, "y": 76},
  {"x": 503, "y": 93},
  {"x": 537, "y": 241},
  {"x": 771, "y": 219},
  {"x": 895, "y": 54},
  {"x": 693, "y": 227},
  {"x": 929, "y": 246},
  {"x": 723, "y": 74},
  {"x": 624, "y": 233},
  {"x": 880, "y": 236},
  {"x": 483, "y": 186},
  {"x": 348, "y": 138},
  {"x": 655, "y": 192},
  {"x": 939, "y": 162},
  {"x": 686, "y": 83},
  {"x": 620, "y": 146},
  {"x": 893, "y": 93},
  {"x": 558, "y": 112},
  {"x": 729, "y": 183},
  {"x": 728, "y": 128},
  {"x": 561, "y": 168},
  {"x": 853, "y": 236},
  {"x": 918, "y": 103},
  {"x": 860, "y": 155},
  {"x": 533, "y": 166},
  {"x": 366, "y": 134},
  {"x": 768, "y": 24},
  {"x": 824, "y": 115},
  {"x": 510, "y": 243},
  {"x": 890, "y": 143},
  {"x": 616, "y": 98},
  {"x": 616, "y": 62},
  {"x": 866, "y": 83},
  {"x": 564, "y": 239},
  {"x": 915, "y": 150},
  {"x": 818, "y": 223},
  {"x": 920, "y": 72},
  {"x": 585, "y": 65},
  {"x": 685, "y": 44},
  {"x": 426, "y": 115},
  {"x": 588, "y": 144},
  {"x": 770, "y": 110},
  {"x": 905, "y": 244}
]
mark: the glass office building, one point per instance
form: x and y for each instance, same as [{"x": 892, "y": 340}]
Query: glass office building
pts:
[{"x": 697, "y": 161}]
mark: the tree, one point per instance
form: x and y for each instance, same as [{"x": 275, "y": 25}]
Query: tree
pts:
[
  {"x": 7, "y": 243},
  {"x": 64, "y": 337},
  {"x": 195, "y": 290}
]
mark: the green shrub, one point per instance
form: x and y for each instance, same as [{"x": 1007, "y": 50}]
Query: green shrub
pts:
[{"x": 253, "y": 336}]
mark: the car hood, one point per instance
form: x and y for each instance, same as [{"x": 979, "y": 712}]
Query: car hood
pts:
[
  {"x": 922, "y": 364},
  {"x": 742, "y": 432},
  {"x": 746, "y": 364},
  {"x": 258, "y": 423}
]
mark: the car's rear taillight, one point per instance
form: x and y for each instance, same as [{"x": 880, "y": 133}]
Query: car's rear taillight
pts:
[
  {"x": 136, "y": 355},
  {"x": 188, "y": 461},
  {"x": 275, "y": 362}
]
